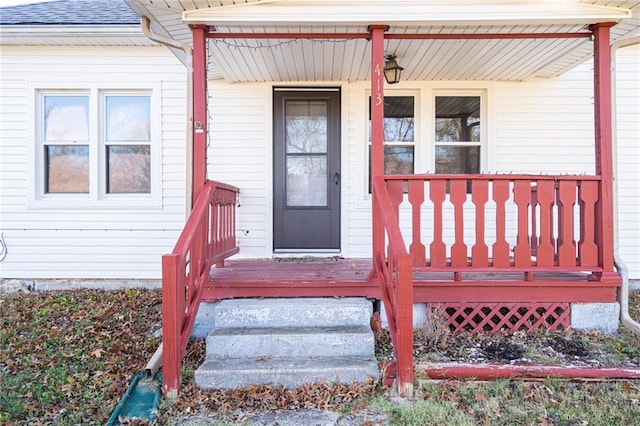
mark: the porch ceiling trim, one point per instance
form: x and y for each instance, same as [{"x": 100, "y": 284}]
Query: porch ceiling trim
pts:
[{"x": 405, "y": 12}]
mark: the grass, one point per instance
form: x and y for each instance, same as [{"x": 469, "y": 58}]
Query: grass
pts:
[
  {"x": 68, "y": 357},
  {"x": 507, "y": 402}
]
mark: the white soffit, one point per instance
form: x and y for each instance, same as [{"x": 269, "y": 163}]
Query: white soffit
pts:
[
  {"x": 340, "y": 60},
  {"x": 405, "y": 12}
]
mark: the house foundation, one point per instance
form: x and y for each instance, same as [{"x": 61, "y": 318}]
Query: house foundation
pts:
[{"x": 595, "y": 316}]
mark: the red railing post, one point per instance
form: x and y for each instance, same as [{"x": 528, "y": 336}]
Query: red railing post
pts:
[
  {"x": 603, "y": 142},
  {"x": 404, "y": 309},
  {"x": 377, "y": 125},
  {"x": 200, "y": 122},
  {"x": 172, "y": 312}
]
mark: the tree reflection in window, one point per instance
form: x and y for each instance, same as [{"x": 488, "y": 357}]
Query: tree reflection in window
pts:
[
  {"x": 457, "y": 134},
  {"x": 399, "y": 136}
]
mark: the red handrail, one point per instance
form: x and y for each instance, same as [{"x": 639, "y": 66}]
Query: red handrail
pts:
[
  {"x": 208, "y": 238},
  {"x": 393, "y": 269}
]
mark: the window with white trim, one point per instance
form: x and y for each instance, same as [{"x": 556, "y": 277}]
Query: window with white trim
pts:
[
  {"x": 399, "y": 135},
  {"x": 457, "y": 133},
  {"x": 96, "y": 146}
]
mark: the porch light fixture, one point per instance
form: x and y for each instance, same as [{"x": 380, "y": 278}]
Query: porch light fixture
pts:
[{"x": 392, "y": 70}]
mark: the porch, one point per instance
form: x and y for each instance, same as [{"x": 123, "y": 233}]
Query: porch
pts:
[
  {"x": 492, "y": 251},
  {"x": 535, "y": 248}
]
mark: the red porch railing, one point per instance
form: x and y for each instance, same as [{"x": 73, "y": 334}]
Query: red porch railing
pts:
[
  {"x": 492, "y": 224},
  {"x": 208, "y": 238},
  {"x": 500, "y": 223}
]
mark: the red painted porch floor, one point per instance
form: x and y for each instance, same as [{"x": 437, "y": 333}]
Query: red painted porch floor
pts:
[
  {"x": 303, "y": 277},
  {"x": 344, "y": 277}
]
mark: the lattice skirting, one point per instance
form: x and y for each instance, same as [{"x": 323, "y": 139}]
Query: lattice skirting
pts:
[{"x": 510, "y": 317}]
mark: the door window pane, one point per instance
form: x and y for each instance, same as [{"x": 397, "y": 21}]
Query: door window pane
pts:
[
  {"x": 128, "y": 169},
  {"x": 307, "y": 181},
  {"x": 127, "y": 118},
  {"x": 67, "y": 169},
  {"x": 66, "y": 118},
  {"x": 306, "y": 127}
]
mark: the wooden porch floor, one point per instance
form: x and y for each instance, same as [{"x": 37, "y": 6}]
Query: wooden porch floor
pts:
[{"x": 346, "y": 277}]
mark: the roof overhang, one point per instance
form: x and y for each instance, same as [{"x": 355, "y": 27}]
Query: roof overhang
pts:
[
  {"x": 73, "y": 35},
  {"x": 318, "y": 59},
  {"x": 405, "y": 12}
]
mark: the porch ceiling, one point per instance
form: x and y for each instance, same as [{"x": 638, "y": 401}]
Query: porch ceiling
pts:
[{"x": 331, "y": 59}]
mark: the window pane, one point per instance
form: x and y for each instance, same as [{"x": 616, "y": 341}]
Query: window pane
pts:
[
  {"x": 128, "y": 169},
  {"x": 127, "y": 118},
  {"x": 457, "y": 119},
  {"x": 307, "y": 180},
  {"x": 398, "y": 160},
  {"x": 306, "y": 127},
  {"x": 66, "y": 118},
  {"x": 457, "y": 159},
  {"x": 67, "y": 169},
  {"x": 399, "y": 120}
]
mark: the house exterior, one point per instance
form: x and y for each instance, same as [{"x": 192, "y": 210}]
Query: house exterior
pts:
[
  {"x": 503, "y": 141},
  {"x": 88, "y": 53}
]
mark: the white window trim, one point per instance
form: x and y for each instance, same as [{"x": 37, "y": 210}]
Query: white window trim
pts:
[{"x": 97, "y": 198}]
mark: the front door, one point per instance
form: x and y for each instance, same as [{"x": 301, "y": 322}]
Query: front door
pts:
[{"x": 306, "y": 170}]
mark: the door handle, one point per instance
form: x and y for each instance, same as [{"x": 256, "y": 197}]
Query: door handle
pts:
[{"x": 336, "y": 178}]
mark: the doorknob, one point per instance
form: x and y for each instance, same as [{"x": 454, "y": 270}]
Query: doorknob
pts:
[{"x": 336, "y": 178}]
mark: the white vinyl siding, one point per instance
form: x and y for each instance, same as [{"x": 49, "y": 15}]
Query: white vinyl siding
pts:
[
  {"x": 240, "y": 154},
  {"x": 119, "y": 241},
  {"x": 546, "y": 126},
  {"x": 627, "y": 135}
]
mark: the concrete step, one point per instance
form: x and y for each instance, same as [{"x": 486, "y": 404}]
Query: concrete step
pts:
[
  {"x": 230, "y": 373},
  {"x": 292, "y": 312},
  {"x": 288, "y": 342},
  {"x": 241, "y": 342}
]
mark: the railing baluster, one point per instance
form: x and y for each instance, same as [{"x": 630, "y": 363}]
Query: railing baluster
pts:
[
  {"x": 566, "y": 243},
  {"x": 545, "y": 252},
  {"x": 458, "y": 196},
  {"x": 416, "y": 198},
  {"x": 587, "y": 248},
  {"x": 437, "y": 248},
  {"x": 479, "y": 197},
  {"x": 500, "y": 248},
  {"x": 522, "y": 198}
]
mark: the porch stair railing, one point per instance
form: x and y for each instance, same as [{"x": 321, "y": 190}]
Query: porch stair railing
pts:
[
  {"x": 491, "y": 225},
  {"x": 392, "y": 264},
  {"x": 208, "y": 238}
]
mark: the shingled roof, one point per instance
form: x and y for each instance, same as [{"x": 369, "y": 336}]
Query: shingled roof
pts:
[{"x": 70, "y": 12}]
